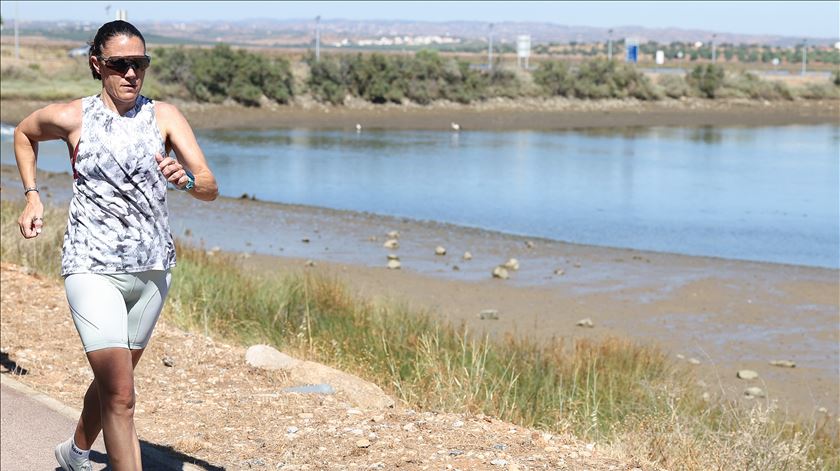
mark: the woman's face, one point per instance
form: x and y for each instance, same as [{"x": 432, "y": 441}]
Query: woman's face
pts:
[{"x": 124, "y": 86}]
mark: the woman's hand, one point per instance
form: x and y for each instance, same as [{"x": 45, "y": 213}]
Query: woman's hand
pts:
[
  {"x": 172, "y": 170},
  {"x": 31, "y": 220}
]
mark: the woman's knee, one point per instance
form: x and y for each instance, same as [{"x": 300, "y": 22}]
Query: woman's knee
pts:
[{"x": 118, "y": 398}]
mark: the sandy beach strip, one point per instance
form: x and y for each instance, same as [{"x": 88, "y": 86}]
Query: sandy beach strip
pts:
[{"x": 725, "y": 314}]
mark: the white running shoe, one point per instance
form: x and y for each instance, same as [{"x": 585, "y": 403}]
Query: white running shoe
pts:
[{"x": 68, "y": 462}]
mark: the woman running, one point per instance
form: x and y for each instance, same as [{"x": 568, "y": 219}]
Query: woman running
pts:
[{"x": 118, "y": 249}]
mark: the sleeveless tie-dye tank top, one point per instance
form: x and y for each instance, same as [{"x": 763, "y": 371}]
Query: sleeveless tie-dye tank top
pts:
[{"x": 118, "y": 219}]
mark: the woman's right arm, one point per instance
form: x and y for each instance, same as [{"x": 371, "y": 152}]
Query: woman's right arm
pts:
[{"x": 58, "y": 121}]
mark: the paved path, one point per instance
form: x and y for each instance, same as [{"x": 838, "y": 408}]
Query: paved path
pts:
[{"x": 31, "y": 424}]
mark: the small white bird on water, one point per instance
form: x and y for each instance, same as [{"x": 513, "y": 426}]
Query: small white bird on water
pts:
[
  {"x": 456, "y": 127},
  {"x": 358, "y": 127}
]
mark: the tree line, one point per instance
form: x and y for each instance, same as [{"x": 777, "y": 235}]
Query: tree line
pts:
[{"x": 220, "y": 73}]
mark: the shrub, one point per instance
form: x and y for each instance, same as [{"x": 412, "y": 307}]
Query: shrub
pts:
[
  {"x": 219, "y": 73},
  {"x": 706, "y": 79},
  {"x": 674, "y": 86},
  {"x": 326, "y": 82},
  {"x": 554, "y": 78},
  {"x": 749, "y": 85}
]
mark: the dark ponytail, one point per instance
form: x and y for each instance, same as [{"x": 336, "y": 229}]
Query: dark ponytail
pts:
[{"x": 108, "y": 31}]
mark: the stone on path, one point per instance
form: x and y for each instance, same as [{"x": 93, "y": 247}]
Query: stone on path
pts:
[
  {"x": 467, "y": 256},
  {"x": 783, "y": 363},
  {"x": 439, "y": 250},
  {"x": 393, "y": 235},
  {"x": 559, "y": 272},
  {"x": 492, "y": 314},
  {"x": 394, "y": 264},
  {"x": 694, "y": 361},
  {"x": 501, "y": 273},
  {"x": 529, "y": 244},
  {"x": 391, "y": 244},
  {"x": 587, "y": 322},
  {"x": 357, "y": 391},
  {"x": 512, "y": 264},
  {"x": 392, "y": 256},
  {"x": 753, "y": 392},
  {"x": 747, "y": 374}
]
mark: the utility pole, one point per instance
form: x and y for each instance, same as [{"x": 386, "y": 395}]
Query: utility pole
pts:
[
  {"x": 490, "y": 48},
  {"x": 17, "y": 42},
  {"x": 804, "y": 55},
  {"x": 714, "y": 36},
  {"x": 609, "y": 45},
  {"x": 317, "y": 38}
]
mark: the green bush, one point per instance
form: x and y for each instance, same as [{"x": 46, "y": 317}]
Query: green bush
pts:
[
  {"x": 326, "y": 80},
  {"x": 555, "y": 78},
  {"x": 749, "y": 85},
  {"x": 674, "y": 86},
  {"x": 706, "y": 79},
  {"x": 596, "y": 79},
  {"x": 600, "y": 78},
  {"x": 217, "y": 74}
]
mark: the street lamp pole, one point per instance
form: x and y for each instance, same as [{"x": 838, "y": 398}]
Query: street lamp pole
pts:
[
  {"x": 317, "y": 38},
  {"x": 804, "y": 55},
  {"x": 714, "y": 56},
  {"x": 490, "y": 48},
  {"x": 609, "y": 45},
  {"x": 17, "y": 42}
]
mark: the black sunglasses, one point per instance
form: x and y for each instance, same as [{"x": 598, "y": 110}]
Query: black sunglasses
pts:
[{"x": 122, "y": 64}]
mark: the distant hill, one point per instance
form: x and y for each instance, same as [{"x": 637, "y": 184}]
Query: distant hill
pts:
[{"x": 274, "y": 32}]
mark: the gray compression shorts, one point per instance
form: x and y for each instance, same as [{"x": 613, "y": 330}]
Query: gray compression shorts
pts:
[{"x": 116, "y": 310}]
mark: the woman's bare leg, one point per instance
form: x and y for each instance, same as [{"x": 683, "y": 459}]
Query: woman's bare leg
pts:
[
  {"x": 113, "y": 370},
  {"x": 90, "y": 422}
]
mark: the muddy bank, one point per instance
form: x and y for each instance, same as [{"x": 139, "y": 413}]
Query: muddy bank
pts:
[{"x": 495, "y": 115}]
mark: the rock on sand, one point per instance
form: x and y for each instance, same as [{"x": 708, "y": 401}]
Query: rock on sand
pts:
[{"x": 747, "y": 374}]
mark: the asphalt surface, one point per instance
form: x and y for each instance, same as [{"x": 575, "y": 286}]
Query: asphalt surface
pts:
[
  {"x": 32, "y": 424},
  {"x": 30, "y": 430}
]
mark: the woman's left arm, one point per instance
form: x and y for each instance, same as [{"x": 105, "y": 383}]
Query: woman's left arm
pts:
[{"x": 178, "y": 135}]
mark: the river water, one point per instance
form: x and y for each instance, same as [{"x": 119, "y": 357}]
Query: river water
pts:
[{"x": 765, "y": 194}]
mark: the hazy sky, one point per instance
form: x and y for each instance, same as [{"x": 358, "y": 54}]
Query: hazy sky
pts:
[{"x": 806, "y": 19}]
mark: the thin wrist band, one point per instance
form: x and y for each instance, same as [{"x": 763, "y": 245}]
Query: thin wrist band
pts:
[{"x": 31, "y": 188}]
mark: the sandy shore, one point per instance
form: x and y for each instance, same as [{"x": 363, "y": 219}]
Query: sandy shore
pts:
[
  {"x": 726, "y": 314},
  {"x": 496, "y": 115}
]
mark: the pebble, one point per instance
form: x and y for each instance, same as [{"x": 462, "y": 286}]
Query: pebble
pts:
[
  {"x": 393, "y": 234},
  {"x": 501, "y": 273},
  {"x": 559, "y": 272},
  {"x": 747, "y": 374},
  {"x": 292, "y": 430},
  {"x": 392, "y": 256},
  {"x": 306, "y": 415},
  {"x": 587, "y": 322},
  {"x": 529, "y": 244},
  {"x": 783, "y": 363},
  {"x": 310, "y": 263},
  {"x": 391, "y": 244},
  {"x": 753, "y": 392},
  {"x": 458, "y": 424},
  {"x": 499, "y": 462},
  {"x": 512, "y": 264},
  {"x": 439, "y": 250},
  {"x": 467, "y": 256},
  {"x": 394, "y": 264},
  {"x": 363, "y": 443},
  {"x": 354, "y": 412},
  {"x": 168, "y": 361},
  {"x": 694, "y": 361},
  {"x": 489, "y": 314}
]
